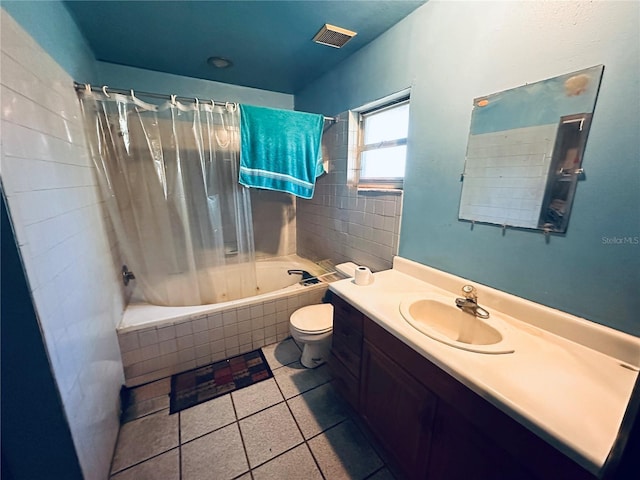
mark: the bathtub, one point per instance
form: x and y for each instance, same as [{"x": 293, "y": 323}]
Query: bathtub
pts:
[{"x": 156, "y": 342}]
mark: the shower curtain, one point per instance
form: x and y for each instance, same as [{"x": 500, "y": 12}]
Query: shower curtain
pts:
[{"x": 169, "y": 174}]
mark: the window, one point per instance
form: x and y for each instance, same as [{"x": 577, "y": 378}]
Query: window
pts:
[{"x": 383, "y": 145}]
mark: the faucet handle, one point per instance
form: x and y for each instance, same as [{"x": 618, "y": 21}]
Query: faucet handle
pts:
[{"x": 470, "y": 292}]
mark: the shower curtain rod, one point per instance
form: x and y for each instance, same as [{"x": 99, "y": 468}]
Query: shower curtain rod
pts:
[{"x": 105, "y": 89}]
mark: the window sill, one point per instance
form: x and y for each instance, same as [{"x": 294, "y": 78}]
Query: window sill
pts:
[{"x": 390, "y": 191}]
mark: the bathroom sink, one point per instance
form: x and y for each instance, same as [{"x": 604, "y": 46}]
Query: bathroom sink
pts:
[{"x": 438, "y": 317}]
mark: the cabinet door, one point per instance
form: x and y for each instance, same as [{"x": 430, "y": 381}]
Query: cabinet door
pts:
[
  {"x": 344, "y": 382},
  {"x": 398, "y": 409},
  {"x": 462, "y": 452},
  {"x": 347, "y": 335}
]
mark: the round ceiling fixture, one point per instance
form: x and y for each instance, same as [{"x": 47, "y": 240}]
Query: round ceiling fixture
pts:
[{"x": 219, "y": 62}]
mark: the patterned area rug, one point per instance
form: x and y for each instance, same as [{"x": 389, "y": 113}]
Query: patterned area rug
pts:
[{"x": 204, "y": 383}]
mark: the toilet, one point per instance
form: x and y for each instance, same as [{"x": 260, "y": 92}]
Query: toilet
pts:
[{"x": 312, "y": 326}]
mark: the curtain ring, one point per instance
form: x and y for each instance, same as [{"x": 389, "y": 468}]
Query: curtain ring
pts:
[
  {"x": 87, "y": 88},
  {"x": 173, "y": 100},
  {"x": 197, "y": 103},
  {"x": 133, "y": 97},
  {"x": 231, "y": 107},
  {"x": 104, "y": 90}
]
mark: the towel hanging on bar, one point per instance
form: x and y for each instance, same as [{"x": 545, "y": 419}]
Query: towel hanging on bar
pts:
[{"x": 280, "y": 150}]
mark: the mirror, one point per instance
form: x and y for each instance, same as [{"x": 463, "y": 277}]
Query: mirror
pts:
[{"x": 524, "y": 154}]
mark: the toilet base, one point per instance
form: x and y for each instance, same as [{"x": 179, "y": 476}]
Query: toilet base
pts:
[{"x": 315, "y": 354}]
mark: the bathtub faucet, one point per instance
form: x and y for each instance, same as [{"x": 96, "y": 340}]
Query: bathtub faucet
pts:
[
  {"x": 305, "y": 275},
  {"x": 307, "y": 278}
]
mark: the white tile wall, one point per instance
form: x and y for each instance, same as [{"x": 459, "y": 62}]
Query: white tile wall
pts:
[
  {"x": 506, "y": 174},
  {"x": 274, "y": 223},
  {"x": 67, "y": 248},
  {"x": 341, "y": 224},
  {"x": 153, "y": 353}
]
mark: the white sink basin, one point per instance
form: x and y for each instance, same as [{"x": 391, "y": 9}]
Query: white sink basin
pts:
[{"x": 438, "y": 317}]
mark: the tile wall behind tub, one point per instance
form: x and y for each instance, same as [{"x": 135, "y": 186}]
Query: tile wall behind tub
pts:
[
  {"x": 59, "y": 225},
  {"x": 339, "y": 223},
  {"x": 156, "y": 352},
  {"x": 274, "y": 223}
]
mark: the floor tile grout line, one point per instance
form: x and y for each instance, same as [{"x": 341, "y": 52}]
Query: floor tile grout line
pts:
[
  {"x": 113, "y": 456},
  {"x": 144, "y": 461},
  {"x": 179, "y": 446},
  {"x": 374, "y": 446},
  {"x": 244, "y": 446},
  {"x": 304, "y": 440},
  {"x": 294, "y": 419},
  {"x": 217, "y": 429},
  {"x": 237, "y": 420},
  {"x": 143, "y": 416},
  {"x": 328, "y": 428},
  {"x": 282, "y": 365},
  {"x": 305, "y": 391},
  {"x": 285, "y": 400},
  {"x": 115, "y": 449},
  {"x": 235, "y": 412},
  {"x": 278, "y": 455},
  {"x": 373, "y": 474}
]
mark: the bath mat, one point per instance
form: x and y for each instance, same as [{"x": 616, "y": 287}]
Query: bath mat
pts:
[{"x": 205, "y": 383}]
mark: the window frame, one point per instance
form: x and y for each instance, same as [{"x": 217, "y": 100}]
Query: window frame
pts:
[{"x": 379, "y": 183}]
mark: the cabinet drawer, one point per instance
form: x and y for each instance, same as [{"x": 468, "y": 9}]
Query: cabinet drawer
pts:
[
  {"x": 346, "y": 336},
  {"x": 347, "y": 314},
  {"x": 347, "y": 356},
  {"x": 344, "y": 382}
]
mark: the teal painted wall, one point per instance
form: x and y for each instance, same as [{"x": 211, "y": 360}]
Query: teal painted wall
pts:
[
  {"x": 452, "y": 52},
  {"x": 51, "y": 25},
  {"x": 119, "y": 76}
]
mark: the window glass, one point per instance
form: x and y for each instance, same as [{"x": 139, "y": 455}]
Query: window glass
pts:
[
  {"x": 388, "y": 124},
  {"x": 383, "y": 163},
  {"x": 383, "y": 146}
]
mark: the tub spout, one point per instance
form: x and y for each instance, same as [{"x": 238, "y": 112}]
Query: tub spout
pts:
[
  {"x": 307, "y": 278},
  {"x": 305, "y": 275}
]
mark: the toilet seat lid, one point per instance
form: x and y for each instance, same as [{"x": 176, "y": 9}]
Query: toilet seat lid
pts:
[{"x": 313, "y": 318}]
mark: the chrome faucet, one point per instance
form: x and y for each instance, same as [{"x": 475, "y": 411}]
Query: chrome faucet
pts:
[
  {"x": 469, "y": 303},
  {"x": 307, "y": 278}
]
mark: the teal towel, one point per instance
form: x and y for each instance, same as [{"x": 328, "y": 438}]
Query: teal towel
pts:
[{"x": 280, "y": 149}]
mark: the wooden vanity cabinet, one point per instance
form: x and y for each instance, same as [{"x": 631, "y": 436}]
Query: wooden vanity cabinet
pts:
[
  {"x": 431, "y": 424},
  {"x": 398, "y": 409},
  {"x": 346, "y": 350}
]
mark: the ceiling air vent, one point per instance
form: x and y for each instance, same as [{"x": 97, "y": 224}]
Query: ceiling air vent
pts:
[{"x": 333, "y": 36}]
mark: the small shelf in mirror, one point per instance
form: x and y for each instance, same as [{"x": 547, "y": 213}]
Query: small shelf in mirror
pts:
[{"x": 564, "y": 171}]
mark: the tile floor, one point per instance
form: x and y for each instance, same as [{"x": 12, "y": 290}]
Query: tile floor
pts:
[{"x": 292, "y": 426}]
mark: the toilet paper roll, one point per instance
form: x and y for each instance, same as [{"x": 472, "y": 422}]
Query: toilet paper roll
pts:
[{"x": 363, "y": 276}]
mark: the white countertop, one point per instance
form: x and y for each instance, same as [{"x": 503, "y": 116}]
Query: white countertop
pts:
[{"x": 571, "y": 395}]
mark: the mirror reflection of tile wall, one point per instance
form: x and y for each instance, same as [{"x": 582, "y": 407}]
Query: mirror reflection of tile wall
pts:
[{"x": 505, "y": 183}]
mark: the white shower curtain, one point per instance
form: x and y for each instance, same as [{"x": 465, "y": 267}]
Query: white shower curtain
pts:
[{"x": 169, "y": 177}]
